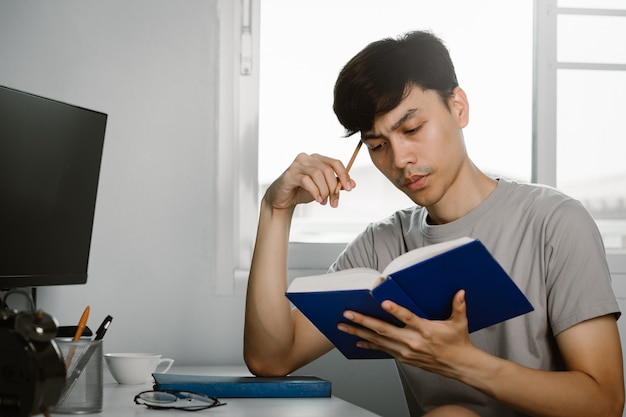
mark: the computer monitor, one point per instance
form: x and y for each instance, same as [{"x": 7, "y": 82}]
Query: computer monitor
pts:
[{"x": 50, "y": 156}]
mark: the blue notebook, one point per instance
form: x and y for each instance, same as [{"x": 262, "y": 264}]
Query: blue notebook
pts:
[
  {"x": 423, "y": 280},
  {"x": 245, "y": 386}
]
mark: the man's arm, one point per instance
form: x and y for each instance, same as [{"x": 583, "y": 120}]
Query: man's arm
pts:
[
  {"x": 277, "y": 339},
  {"x": 593, "y": 384}
]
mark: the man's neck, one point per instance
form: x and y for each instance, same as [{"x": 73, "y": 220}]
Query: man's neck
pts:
[{"x": 467, "y": 193}]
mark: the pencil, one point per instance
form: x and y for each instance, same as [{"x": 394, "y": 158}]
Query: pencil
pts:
[
  {"x": 79, "y": 332},
  {"x": 354, "y": 154},
  {"x": 81, "y": 324}
]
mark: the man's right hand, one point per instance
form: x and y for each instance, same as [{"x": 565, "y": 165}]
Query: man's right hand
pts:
[{"x": 308, "y": 178}]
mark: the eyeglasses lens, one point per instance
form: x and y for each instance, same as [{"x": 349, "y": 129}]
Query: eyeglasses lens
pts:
[{"x": 158, "y": 397}]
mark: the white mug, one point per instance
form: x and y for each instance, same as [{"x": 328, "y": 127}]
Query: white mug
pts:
[{"x": 135, "y": 368}]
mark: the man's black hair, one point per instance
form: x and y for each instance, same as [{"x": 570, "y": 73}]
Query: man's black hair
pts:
[{"x": 377, "y": 79}]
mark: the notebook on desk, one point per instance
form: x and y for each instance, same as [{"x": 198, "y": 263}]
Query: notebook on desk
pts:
[{"x": 245, "y": 386}]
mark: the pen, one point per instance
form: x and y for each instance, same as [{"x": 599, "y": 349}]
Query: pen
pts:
[
  {"x": 84, "y": 359},
  {"x": 103, "y": 328},
  {"x": 356, "y": 152}
]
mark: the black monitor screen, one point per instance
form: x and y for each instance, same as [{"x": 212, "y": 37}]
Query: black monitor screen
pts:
[{"x": 50, "y": 154}]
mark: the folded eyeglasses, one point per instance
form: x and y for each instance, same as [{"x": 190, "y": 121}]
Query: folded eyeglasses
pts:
[{"x": 181, "y": 400}]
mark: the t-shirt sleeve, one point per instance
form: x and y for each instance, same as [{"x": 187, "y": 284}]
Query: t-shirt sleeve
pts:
[{"x": 578, "y": 282}]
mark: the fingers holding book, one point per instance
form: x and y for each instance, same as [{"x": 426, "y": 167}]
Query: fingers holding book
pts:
[{"x": 427, "y": 344}]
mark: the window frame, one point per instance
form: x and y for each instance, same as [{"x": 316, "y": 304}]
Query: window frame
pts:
[
  {"x": 545, "y": 68},
  {"x": 236, "y": 213}
]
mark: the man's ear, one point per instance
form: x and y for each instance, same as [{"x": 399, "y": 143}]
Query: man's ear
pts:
[{"x": 459, "y": 106}]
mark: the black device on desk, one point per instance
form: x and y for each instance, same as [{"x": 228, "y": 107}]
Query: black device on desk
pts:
[
  {"x": 50, "y": 157},
  {"x": 32, "y": 372}
]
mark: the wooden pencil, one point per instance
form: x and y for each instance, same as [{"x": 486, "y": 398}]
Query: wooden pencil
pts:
[{"x": 354, "y": 154}]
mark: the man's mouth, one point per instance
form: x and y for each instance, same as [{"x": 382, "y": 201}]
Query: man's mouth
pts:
[{"x": 415, "y": 182}]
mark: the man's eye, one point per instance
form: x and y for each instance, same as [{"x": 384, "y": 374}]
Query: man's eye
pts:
[
  {"x": 412, "y": 131},
  {"x": 377, "y": 147}
]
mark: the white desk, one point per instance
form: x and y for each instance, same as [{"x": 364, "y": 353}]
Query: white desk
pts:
[{"x": 118, "y": 401}]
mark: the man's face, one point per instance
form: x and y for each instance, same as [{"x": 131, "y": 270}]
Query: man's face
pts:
[{"x": 419, "y": 144}]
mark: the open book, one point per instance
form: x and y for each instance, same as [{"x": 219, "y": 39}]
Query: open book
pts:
[{"x": 423, "y": 280}]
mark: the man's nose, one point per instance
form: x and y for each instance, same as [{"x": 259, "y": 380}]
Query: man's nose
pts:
[{"x": 401, "y": 153}]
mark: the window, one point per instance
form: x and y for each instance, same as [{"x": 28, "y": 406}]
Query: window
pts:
[
  {"x": 304, "y": 45},
  {"x": 581, "y": 64},
  {"x": 236, "y": 170},
  {"x": 501, "y": 50},
  {"x": 591, "y": 70}
]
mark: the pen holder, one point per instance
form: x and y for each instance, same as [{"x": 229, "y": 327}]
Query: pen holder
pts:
[{"x": 82, "y": 393}]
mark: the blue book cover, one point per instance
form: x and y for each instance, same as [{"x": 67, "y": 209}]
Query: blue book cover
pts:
[
  {"x": 423, "y": 280},
  {"x": 245, "y": 386}
]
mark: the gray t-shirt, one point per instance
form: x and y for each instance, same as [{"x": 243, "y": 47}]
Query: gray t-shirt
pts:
[{"x": 552, "y": 249}]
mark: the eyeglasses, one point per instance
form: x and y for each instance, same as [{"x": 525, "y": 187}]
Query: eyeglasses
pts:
[{"x": 181, "y": 400}]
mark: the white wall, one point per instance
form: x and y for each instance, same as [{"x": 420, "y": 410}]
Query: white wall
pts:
[{"x": 150, "y": 65}]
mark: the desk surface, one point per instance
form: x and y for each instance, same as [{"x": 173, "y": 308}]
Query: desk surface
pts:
[{"x": 118, "y": 401}]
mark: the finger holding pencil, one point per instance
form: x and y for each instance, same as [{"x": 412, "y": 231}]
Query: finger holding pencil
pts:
[{"x": 309, "y": 178}]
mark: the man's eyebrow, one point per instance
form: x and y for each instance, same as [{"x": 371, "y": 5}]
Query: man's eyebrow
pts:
[
  {"x": 408, "y": 115},
  {"x": 369, "y": 136}
]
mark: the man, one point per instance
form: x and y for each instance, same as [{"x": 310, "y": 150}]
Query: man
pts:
[{"x": 562, "y": 359}]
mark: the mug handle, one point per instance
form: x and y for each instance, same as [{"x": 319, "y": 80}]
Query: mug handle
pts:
[{"x": 169, "y": 362}]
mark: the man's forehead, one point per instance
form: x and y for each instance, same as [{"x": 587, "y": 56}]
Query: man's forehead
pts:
[
  {"x": 395, "y": 122},
  {"x": 412, "y": 105}
]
